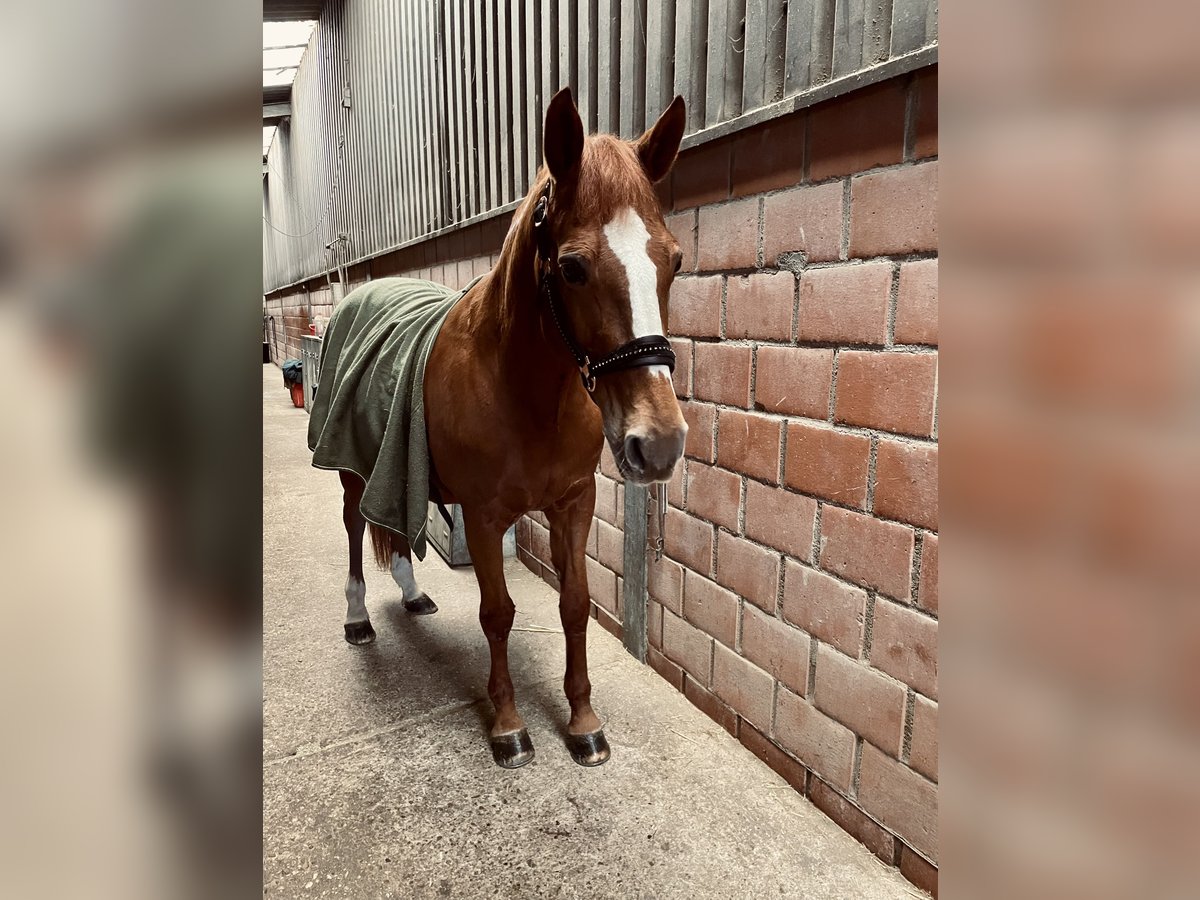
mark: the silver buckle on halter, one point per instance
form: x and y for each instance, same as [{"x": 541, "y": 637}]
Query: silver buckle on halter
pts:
[{"x": 585, "y": 373}]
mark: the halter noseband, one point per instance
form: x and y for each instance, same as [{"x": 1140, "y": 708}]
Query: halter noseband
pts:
[{"x": 651, "y": 350}]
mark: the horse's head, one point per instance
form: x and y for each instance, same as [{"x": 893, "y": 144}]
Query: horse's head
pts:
[{"x": 616, "y": 260}]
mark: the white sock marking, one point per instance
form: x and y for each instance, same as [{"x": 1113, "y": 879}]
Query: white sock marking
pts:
[
  {"x": 402, "y": 574},
  {"x": 627, "y": 237},
  {"x": 356, "y": 601}
]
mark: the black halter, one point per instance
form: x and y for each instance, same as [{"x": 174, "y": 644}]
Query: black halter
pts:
[{"x": 651, "y": 350}]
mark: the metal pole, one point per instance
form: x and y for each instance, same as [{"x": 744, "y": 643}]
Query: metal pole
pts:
[{"x": 634, "y": 619}]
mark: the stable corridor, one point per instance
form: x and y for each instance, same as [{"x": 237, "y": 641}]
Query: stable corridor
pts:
[{"x": 378, "y": 781}]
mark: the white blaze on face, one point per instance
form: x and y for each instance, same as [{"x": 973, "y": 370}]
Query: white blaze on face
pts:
[{"x": 627, "y": 238}]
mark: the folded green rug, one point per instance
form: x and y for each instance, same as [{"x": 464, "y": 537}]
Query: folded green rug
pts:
[{"x": 368, "y": 414}]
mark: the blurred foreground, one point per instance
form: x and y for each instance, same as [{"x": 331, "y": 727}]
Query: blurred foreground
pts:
[
  {"x": 1070, "y": 433},
  {"x": 130, "y": 522}
]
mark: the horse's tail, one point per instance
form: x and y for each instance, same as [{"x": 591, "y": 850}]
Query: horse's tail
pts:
[{"x": 384, "y": 543}]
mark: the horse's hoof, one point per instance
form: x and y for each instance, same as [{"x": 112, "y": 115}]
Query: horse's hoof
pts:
[
  {"x": 511, "y": 751},
  {"x": 359, "y": 633},
  {"x": 421, "y": 605},
  {"x": 589, "y": 749}
]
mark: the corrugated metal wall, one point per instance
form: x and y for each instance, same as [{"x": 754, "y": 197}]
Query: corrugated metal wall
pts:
[{"x": 409, "y": 116}]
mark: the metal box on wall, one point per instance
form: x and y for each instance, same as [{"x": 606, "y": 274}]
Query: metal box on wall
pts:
[{"x": 450, "y": 538}]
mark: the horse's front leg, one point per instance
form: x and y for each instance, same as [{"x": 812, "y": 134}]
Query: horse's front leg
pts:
[
  {"x": 511, "y": 746},
  {"x": 570, "y": 520}
]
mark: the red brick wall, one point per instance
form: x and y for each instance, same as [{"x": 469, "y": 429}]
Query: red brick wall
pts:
[
  {"x": 295, "y": 309},
  {"x": 452, "y": 259},
  {"x": 292, "y": 313},
  {"x": 797, "y": 603}
]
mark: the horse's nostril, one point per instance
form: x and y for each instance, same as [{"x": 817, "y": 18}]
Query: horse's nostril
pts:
[{"x": 635, "y": 451}]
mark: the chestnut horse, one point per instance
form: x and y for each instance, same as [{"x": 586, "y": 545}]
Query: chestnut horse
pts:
[{"x": 560, "y": 346}]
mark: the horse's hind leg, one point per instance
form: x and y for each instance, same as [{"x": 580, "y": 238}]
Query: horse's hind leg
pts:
[
  {"x": 570, "y": 520},
  {"x": 416, "y": 601},
  {"x": 511, "y": 747},
  {"x": 358, "y": 623}
]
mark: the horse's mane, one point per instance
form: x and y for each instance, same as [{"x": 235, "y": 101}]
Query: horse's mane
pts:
[{"x": 610, "y": 177}]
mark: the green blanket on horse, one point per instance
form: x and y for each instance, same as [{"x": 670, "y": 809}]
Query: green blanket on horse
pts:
[{"x": 368, "y": 413}]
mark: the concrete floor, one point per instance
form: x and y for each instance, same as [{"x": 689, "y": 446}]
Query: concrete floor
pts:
[{"x": 378, "y": 781}]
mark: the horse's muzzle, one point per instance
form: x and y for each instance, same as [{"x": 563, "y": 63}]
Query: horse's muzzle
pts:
[{"x": 651, "y": 455}]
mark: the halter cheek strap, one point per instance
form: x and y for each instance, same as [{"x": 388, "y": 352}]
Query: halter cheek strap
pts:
[{"x": 651, "y": 350}]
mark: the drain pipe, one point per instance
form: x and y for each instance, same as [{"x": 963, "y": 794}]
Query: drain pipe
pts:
[{"x": 342, "y": 240}]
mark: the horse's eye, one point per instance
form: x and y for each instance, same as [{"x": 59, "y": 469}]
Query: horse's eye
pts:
[{"x": 573, "y": 271}]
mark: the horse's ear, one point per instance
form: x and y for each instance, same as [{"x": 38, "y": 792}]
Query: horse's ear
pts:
[
  {"x": 658, "y": 147},
  {"x": 562, "y": 141}
]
